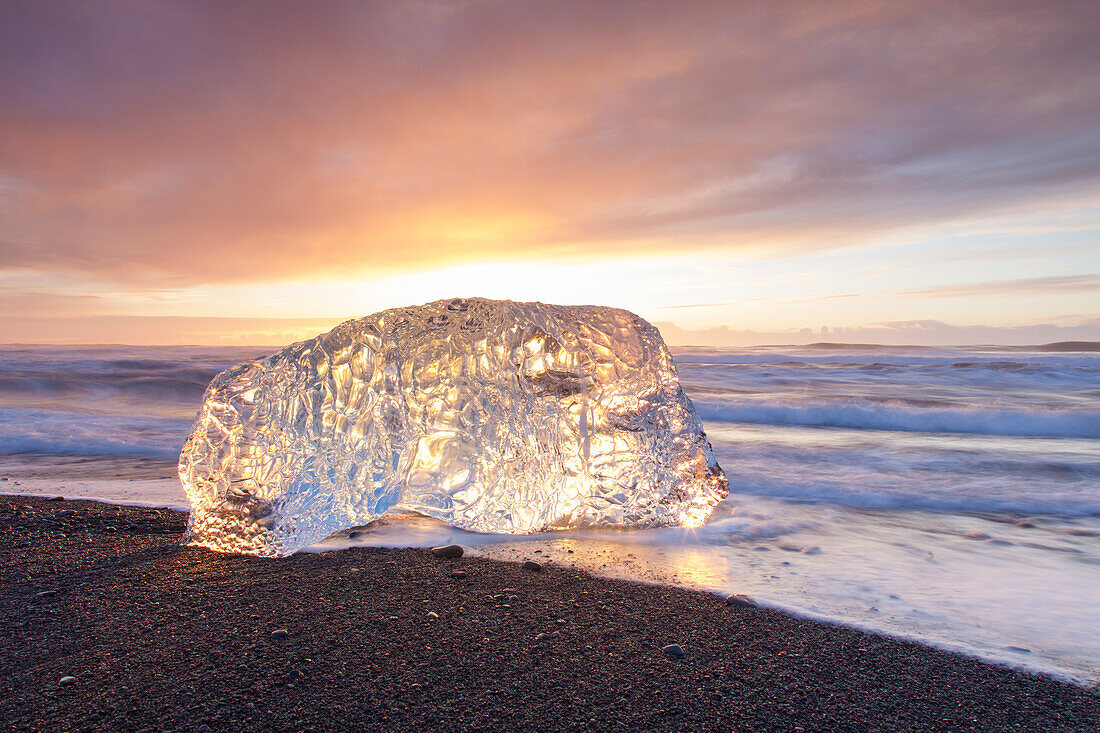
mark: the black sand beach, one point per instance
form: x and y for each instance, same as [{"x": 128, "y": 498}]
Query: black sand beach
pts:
[{"x": 162, "y": 637}]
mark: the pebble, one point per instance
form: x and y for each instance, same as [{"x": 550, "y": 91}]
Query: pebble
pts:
[
  {"x": 532, "y": 565},
  {"x": 280, "y": 633},
  {"x": 674, "y": 650},
  {"x": 736, "y": 599},
  {"x": 433, "y": 614},
  {"x": 66, "y": 680},
  {"x": 458, "y": 574},
  {"x": 448, "y": 551}
]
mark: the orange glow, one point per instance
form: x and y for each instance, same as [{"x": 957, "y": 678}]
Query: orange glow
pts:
[{"x": 242, "y": 162}]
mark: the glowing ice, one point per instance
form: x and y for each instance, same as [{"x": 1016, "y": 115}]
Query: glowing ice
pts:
[{"x": 492, "y": 416}]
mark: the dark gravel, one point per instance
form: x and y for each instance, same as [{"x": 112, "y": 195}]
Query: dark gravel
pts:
[{"x": 161, "y": 637}]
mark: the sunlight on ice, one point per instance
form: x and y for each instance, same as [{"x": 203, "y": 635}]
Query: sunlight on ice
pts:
[{"x": 493, "y": 416}]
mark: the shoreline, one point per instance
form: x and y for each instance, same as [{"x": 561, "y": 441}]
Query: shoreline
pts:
[
  {"x": 161, "y": 636},
  {"x": 608, "y": 556}
]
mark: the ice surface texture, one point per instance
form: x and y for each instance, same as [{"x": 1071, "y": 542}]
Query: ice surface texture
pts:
[{"x": 492, "y": 416}]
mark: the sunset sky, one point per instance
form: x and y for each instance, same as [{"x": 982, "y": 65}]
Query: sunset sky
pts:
[{"x": 738, "y": 172}]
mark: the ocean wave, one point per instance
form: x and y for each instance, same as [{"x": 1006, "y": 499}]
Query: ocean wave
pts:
[
  {"x": 858, "y": 496},
  {"x": 181, "y": 385},
  {"x": 63, "y": 433},
  {"x": 902, "y": 472},
  {"x": 886, "y": 358},
  {"x": 899, "y": 415}
]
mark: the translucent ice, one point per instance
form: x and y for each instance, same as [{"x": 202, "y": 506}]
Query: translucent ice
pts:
[{"x": 492, "y": 416}]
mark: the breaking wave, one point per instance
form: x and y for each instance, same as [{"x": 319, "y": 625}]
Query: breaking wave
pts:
[{"x": 901, "y": 415}]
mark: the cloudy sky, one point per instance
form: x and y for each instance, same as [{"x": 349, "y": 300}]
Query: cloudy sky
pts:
[{"x": 749, "y": 172}]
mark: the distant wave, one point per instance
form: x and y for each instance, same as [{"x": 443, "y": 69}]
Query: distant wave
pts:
[
  {"x": 1070, "y": 346},
  {"x": 840, "y": 346},
  {"x": 917, "y": 358},
  {"x": 178, "y": 384},
  {"x": 905, "y": 417},
  {"x": 1054, "y": 346}
]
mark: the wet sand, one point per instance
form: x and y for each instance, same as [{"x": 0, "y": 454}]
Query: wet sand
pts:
[{"x": 161, "y": 637}]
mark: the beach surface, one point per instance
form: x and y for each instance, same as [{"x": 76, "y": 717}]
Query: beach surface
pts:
[{"x": 155, "y": 636}]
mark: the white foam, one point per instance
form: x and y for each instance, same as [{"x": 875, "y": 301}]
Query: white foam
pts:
[
  {"x": 966, "y": 584},
  {"x": 897, "y": 415}
]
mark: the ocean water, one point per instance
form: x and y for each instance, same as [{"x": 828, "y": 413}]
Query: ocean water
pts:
[{"x": 950, "y": 496}]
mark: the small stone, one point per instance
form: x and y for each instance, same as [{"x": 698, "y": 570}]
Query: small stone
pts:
[
  {"x": 56, "y": 498},
  {"x": 458, "y": 574},
  {"x": 674, "y": 650},
  {"x": 280, "y": 633},
  {"x": 354, "y": 535},
  {"x": 448, "y": 551},
  {"x": 532, "y": 565},
  {"x": 736, "y": 599},
  {"x": 66, "y": 680},
  {"x": 433, "y": 614}
]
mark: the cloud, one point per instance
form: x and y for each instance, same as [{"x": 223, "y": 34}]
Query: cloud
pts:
[
  {"x": 923, "y": 332},
  {"x": 161, "y": 330},
  {"x": 192, "y": 142},
  {"x": 1053, "y": 285},
  {"x": 174, "y": 330},
  {"x": 42, "y": 304}
]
